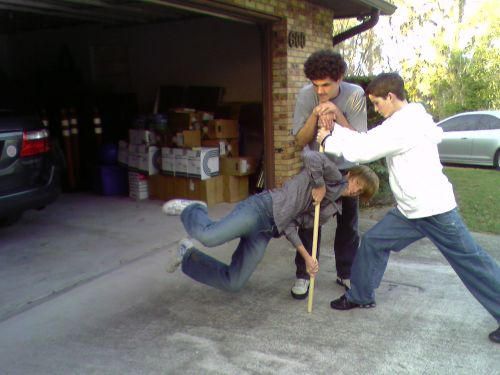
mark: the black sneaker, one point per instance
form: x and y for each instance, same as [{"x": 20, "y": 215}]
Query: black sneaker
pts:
[
  {"x": 344, "y": 304},
  {"x": 495, "y": 336}
]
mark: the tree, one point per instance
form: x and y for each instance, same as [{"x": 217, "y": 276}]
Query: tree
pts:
[
  {"x": 467, "y": 77},
  {"x": 448, "y": 52},
  {"x": 361, "y": 52}
]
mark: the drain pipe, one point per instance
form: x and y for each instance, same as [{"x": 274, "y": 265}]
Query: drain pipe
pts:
[{"x": 368, "y": 23}]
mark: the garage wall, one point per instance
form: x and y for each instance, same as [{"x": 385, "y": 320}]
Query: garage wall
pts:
[
  {"x": 200, "y": 52},
  {"x": 204, "y": 51},
  {"x": 3, "y": 54}
]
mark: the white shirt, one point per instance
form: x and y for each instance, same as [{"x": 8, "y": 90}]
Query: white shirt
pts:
[{"x": 408, "y": 140}]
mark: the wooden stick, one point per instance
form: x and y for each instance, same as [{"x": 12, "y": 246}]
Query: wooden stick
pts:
[{"x": 314, "y": 250}]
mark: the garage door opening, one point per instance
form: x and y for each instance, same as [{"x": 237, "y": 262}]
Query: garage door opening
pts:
[{"x": 141, "y": 76}]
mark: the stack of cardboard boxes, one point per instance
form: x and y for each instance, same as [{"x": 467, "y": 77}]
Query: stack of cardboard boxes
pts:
[
  {"x": 141, "y": 155},
  {"x": 201, "y": 161}
]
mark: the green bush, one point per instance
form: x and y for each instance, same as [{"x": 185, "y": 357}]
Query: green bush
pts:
[{"x": 384, "y": 195}]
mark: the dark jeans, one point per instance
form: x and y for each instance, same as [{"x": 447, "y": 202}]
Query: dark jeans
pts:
[
  {"x": 478, "y": 271},
  {"x": 345, "y": 244}
]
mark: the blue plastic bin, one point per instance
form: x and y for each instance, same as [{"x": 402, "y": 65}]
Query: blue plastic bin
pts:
[{"x": 114, "y": 180}]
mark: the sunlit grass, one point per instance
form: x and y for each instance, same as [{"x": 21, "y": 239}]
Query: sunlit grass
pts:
[{"x": 478, "y": 197}]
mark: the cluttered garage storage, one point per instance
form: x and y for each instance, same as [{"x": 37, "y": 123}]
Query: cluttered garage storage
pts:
[{"x": 150, "y": 105}]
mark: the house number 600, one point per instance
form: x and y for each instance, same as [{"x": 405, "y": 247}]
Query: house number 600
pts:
[{"x": 296, "y": 39}]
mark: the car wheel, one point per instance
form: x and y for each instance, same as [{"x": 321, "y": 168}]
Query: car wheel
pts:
[{"x": 496, "y": 160}]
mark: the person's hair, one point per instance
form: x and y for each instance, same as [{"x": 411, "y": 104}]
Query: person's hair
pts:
[
  {"x": 385, "y": 83},
  {"x": 325, "y": 64},
  {"x": 369, "y": 179}
]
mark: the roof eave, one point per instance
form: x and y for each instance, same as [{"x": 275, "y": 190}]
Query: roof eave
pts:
[{"x": 386, "y": 9}]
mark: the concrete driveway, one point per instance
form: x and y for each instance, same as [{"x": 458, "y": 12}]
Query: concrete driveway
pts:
[{"x": 83, "y": 291}]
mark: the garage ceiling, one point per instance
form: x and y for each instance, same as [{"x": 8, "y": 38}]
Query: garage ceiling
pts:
[{"x": 28, "y": 15}]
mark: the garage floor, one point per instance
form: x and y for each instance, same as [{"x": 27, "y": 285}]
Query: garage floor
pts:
[{"x": 83, "y": 291}]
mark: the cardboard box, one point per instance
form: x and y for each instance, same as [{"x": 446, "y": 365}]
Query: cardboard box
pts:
[
  {"x": 155, "y": 187},
  {"x": 191, "y": 138},
  {"x": 181, "y": 161},
  {"x": 203, "y": 162},
  {"x": 162, "y": 187},
  {"x": 235, "y": 188},
  {"x": 141, "y": 136},
  {"x": 222, "y": 128},
  {"x": 226, "y": 147},
  {"x": 180, "y": 187},
  {"x": 138, "y": 186},
  {"x": 167, "y": 151},
  {"x": 239, "y": 166},
  {"x": 133, "y": 148},
  {"x": 170, "y": 187},
  {"x": 180, "y": 121},
  {"x": 168, "y": 165},
  {"x": 209, "y": 191},
  {"x": 149, "y": 160},
  {"x": 133, "y": 160},
  {"x": 168, "y": 161},
  {"x": 232, "y": 147}
]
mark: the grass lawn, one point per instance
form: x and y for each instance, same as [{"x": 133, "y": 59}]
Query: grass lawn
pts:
[{"x": 478, "y": 197}]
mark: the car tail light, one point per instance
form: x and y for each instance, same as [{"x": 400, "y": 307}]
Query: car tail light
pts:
[{"x": 35, "y": 142}]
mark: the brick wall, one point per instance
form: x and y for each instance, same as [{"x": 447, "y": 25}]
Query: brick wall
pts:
[{"x": 287, "y": 67}]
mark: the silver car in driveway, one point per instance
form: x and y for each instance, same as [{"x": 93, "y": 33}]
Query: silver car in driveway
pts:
[{"x": 471, "y": 138}]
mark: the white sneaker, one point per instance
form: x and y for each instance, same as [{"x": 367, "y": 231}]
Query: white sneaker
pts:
[
  {"x": 300, "y": 289},
  {"x": 176, "y": 206},
  {"x": 175, "y": 259}
]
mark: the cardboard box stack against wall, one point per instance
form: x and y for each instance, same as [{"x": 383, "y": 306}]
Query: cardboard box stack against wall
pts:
[
  {"x": 199, "y": 160},
  {"x": 142, "y": 156},
  {"x": 202, "y": 160}
]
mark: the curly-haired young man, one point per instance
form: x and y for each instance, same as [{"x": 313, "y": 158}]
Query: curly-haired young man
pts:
[{"x": 328, "y": 96}]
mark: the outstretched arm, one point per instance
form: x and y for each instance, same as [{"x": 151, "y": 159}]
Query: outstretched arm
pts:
[{"x": 364, "y": 147}]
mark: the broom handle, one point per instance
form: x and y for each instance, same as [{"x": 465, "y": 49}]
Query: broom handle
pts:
[{"x": 314, "y": 250}]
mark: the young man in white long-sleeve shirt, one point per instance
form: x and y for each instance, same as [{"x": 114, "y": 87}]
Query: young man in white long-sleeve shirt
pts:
[{"x": 426, "y": 204}]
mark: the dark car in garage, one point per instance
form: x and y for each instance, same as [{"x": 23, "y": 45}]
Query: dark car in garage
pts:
[{"x": 29, "y": 165}]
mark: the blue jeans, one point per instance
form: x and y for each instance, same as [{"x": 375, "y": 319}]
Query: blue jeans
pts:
[
  {"x": 251, "y": 220},
  {"x": 477, "y": 269}
]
